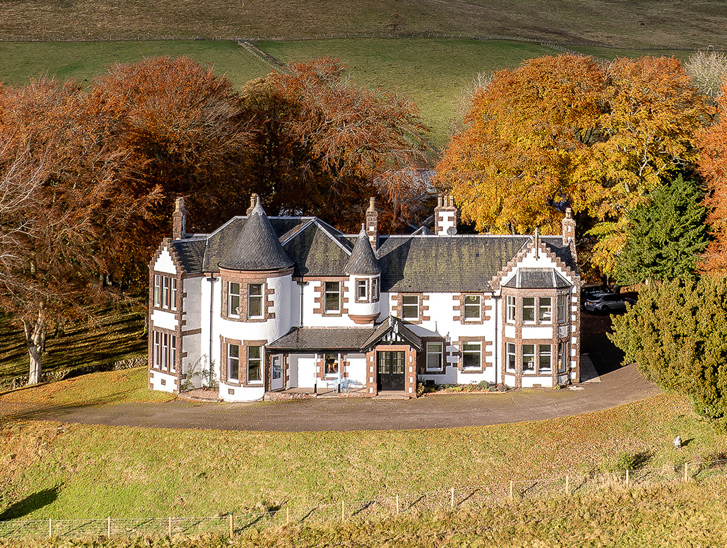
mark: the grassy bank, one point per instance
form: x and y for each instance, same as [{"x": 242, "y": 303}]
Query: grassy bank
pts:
[
  {"x": 97, "y": 471},
  {"x": 118, "y": 334}
]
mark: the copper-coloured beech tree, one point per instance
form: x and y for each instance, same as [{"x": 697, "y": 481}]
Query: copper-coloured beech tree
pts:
[
  {"x": 569, "y": 130},
  {"x": 61, "y": 212},
  {"x": 321, "y": 145},
  {"x": 713, "y": 165}
]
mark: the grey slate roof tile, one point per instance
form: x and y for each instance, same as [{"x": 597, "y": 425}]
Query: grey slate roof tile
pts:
[
  {"x": 322, "y": 338},
  {"x": 444, "y": 263},
  {"x": 317, "y": 252},
  {"x": 363, "y": 261},
  {"x": 257, "y": 246}
]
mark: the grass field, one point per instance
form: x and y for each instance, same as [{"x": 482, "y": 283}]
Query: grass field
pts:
[{"x": 637, "y": 23}]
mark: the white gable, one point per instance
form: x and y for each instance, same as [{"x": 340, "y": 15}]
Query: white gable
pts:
[{"x": 164, "y": 263}]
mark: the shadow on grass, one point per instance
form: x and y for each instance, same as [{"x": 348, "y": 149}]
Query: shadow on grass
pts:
[{"x": 31, "y": 504}]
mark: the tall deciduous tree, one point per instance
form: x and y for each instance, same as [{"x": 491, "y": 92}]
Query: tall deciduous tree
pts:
[
  {"x": 568, "y": 129},
  {"x": 713, "y": 165},
  {"x": 665, "y": 237},
  {"x": 61, "y": 208},
  {"x": 321, "y": 145}
]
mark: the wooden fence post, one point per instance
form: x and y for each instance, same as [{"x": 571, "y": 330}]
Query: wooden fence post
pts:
[
  {"x": 169, "y": 530},
  {"x": 343, "y": 510},
  {"x": 627, "y": 478},
  {"x": 567, "y": 486},
  {"x": 232, "y": 525},
  {"x": 108, "y": 527},
  {"x": 397, "y": 505},
  {"x": 287, "y": 515},
  {"x": 451, "y": 498},
  {"x": 686, "y": 472},
  {"x": 50, "y": 527},
  {"x": 510, "y": 490}
]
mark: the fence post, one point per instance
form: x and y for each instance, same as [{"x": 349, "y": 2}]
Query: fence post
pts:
[
  {"x": 567, "y": 486},
  {"x": 50, "y": 527},
  {"x": 397, "y": 505},
  {"x": 451, "y": 498},
  {"x": 287, "y": 515},
  {"x": 627, "y": 478},
  {"x": 343, "y": 510},
  {"x": 232, "y": 525},
  {"x": 510, "y": 490},
  {"x": 169, "y": 530},
  {"x": 108, "y": 527},
  {"x": 686, "y": 473}
]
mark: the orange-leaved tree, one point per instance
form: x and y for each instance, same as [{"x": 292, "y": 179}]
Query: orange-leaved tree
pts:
[
  {"x": 570, "y": 130},
  {"x": 61, "y": 211},
  {"x": 713, "y": 166}
]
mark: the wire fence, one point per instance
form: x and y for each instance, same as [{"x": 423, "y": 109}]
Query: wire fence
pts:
[{"x": 451, "y": 499}]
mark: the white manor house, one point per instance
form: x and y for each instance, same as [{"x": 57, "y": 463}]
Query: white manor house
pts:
[{"x": 292, "y": 305}]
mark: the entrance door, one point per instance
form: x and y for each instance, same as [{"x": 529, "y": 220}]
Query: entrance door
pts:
[
  {"x": 276, "y": 378},
  {"x": 391, "y": 370}
]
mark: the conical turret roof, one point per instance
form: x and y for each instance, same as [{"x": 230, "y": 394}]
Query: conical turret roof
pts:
[
  {"x": 257, "y": 246},
  {"x": 363, "y": 261}
]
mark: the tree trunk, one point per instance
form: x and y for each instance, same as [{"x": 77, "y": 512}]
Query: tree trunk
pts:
[{"x": 35, "y": 342}]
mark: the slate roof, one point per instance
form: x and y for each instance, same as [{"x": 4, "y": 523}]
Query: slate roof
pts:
[
  {"x": 411, "y": 263},
  {"x": 322, "y": 338},
  {"x": 444, "y": 263},
  {"x": 395, "y": 325},
  {"x": 257, "y": 246},
  {"x": 362, "y": 261}
]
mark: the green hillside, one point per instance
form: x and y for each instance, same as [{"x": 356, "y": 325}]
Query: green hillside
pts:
[{"x": 637, "y": 23}]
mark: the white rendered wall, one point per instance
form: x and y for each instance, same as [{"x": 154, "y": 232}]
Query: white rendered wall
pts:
[
  {"x": 241, "y": 393},
  {"x": 529, "y": 382},
  {"x": 357, "y": 368},
  {"x": 310, "y": 319},
  {"x": 156, "y": 381}
]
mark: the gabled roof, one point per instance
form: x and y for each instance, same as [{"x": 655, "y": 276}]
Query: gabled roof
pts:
[
  {"x": 410, "y": 263},
  {"x": 444, "y": 263},
  {"x": 393, "y": 330},
  {"x": 362, "y": 261},
  {"x": 257, "y": 246}
]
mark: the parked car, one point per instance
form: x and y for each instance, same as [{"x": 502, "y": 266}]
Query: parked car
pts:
[{"x": 607, "y": 302}]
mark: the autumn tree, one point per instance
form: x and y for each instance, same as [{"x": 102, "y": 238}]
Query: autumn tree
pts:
[
  {"x": 707, "y": 68},
  {"x": 570, "y": 130},
  {"x": 321, "y": 145},
  {"x": 713, "y": 165},
  {"x": 181, "y": 128},
  {"x": 60, "y": 209},
  {"x": 665, "y": 236}
]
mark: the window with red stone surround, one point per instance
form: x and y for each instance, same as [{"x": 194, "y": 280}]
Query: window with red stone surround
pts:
[
  {"x": 165, "y": 352},
  {"x": 245, "y": 358},
  {"x": 398, "y": 303},
  {"x": 466, "y": 304},
  {"x": 319, "y": 297},
  {"x": 254, "y": 290},
  {"x": 468, "y": 348},
  {"x": 362, "y": 290}
]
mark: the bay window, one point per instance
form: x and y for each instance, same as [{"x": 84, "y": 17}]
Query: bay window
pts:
[
  {"x": 233, "y": 362},
  {"x": 254, "y": 364},
  {"x": 510, "y": 308},
  {"x": 233, "y": 299},
  {"x": 254, "y": 300},
  {"x": 545, "y": 309},
  {"x": 544, "y": 358},
  {"x": 528, "y": 358},
  {"x": 528, "y": 309}
]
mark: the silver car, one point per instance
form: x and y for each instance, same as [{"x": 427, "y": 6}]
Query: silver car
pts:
[{"x": 607, "y": 302}]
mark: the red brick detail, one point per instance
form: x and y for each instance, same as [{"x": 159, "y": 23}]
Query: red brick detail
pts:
[
  {"x": 396, "y": 305},
  {"x": 485, "y": 353},
  {"x": 485, "y": 307},
  {"x": 319, "y": 295}
]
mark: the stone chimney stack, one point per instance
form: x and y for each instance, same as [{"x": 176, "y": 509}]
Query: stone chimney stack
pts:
[
  {"x": 372, "y": 224},
  {"x": 254, "y": 199},
  {"x": 179, "y": 220},
  {"x": 445, "y": 216},
  {"x": 569, "y": 227}
]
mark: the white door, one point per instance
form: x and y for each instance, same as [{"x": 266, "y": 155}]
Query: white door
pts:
[
  {"x": 306, "y": 372},
  {"x": 276, "y": 377}
]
